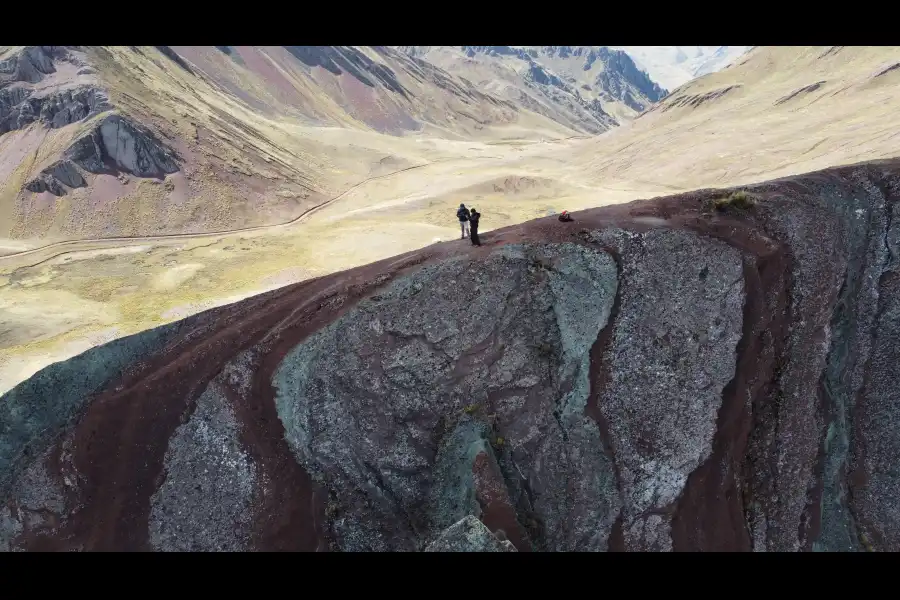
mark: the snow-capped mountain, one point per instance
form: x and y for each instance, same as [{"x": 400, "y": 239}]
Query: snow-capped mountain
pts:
[{"x": 672, "y": 66}]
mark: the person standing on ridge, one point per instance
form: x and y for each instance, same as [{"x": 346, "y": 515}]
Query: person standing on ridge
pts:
[
  {"x": 462, "y": 213},
  {"x": 474, "y": 216}
]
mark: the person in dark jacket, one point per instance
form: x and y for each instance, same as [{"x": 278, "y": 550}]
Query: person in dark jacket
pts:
[
  {"x": 474, "y": 216},
  {"x": 462, "y": 213}
]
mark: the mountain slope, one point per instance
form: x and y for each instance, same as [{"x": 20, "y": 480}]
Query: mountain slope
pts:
[
  {"x": 109, "y": 141},
  {"x": 588, "y": 88},
  {"x": 778, "y": 111},
  {"x": 617, "y": 383}
]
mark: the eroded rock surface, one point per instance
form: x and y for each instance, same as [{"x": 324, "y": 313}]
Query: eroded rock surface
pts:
[
  {"x": 129, "y": 146},
  {"x": 19, "y": 106},
  {"x": 654, "y": 376},
  {"x": 30, "y": 64},
  {"x": 469, "y": 535},
  {"x": 29, "y": 94},
  {"x": 56, "y": 178},
  {"x": 508, "y": 337},
  {"x": 115, "y": 144},
  {"x": 204, "y": 501},
  {"x": 675, "y": 340}
]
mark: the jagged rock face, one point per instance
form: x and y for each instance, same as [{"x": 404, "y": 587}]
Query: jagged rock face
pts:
[
  {"x": 618, "y": 75},
  {"x": 116, "y": 144},
  {"x": 589, "y": 88},
  {"x": 22, "y": 102},
  {"x": 19, "y": 108},
  {"x": 649, "y": 377},
  {"x": 55, "y": 177},
  {"x": 30, "y": 65},
  {"x": 10, "y": 99},
  {"x": 129, "y": 146},
  {"x": 588, "y": 115}
]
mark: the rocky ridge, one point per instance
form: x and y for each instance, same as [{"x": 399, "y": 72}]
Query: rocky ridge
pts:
[
  {"x": 19, "y": 106},
  {"x": 113, "y": 144},
  {"x": 30, "y": 64},
  {"x": 578, "y": 86},
  {"x": 620, "y": 79},
  {"x": 697, "y": 372},
  {"x": 32, "y": 88}
]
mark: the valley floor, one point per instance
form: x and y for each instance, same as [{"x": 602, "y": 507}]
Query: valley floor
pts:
[{"x": 57, "y": 300}]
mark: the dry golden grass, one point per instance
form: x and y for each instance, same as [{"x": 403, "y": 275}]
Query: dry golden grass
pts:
[{"x": 746, "y": 135}]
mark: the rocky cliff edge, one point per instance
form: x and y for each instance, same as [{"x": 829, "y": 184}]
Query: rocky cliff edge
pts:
[{"x": 711, "y": 371}]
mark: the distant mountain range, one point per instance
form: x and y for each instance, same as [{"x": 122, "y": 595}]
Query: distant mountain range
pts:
[{"x": 588, "y": 88}]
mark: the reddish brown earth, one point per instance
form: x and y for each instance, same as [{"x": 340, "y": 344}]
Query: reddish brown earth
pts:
[{"x": 660, "y": 375}]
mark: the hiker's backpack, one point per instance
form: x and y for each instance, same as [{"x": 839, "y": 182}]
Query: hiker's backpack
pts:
[{"x": 462, "y": 214}]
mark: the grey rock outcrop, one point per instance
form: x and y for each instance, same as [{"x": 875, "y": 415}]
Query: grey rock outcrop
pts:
[
  {"x": 512, "y": 341},
  {"x": 30, "y": 64},
  {"x": 115, "y": 144},
  {"x": 25, "y": 100},
  {"x": 204, "y": 460},
  {"x": 681, "y": 358},
  {"x": 19, "y": 107},
  {"x": 56, "y": 178},
  {"x": 131, "y": 147},
  {"x": 469, "y": 535},
  {"x": 11, "y": 98}
]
